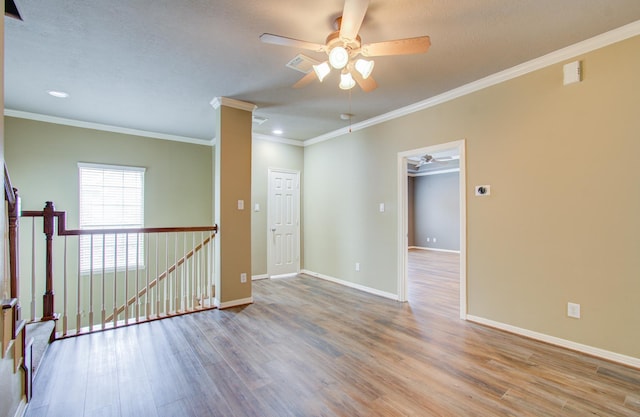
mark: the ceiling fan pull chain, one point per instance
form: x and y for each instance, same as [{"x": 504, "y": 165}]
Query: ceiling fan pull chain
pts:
[{"x": 350, "y": 114}]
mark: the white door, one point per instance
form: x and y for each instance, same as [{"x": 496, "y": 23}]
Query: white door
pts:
[{"x": 283, "y": 234}]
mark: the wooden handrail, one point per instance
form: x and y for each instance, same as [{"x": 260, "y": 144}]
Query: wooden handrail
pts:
[
  {"x": 162, "y": 276},
  {"x": 9, "y": 191},
  {"x": 63, "y": 231}
]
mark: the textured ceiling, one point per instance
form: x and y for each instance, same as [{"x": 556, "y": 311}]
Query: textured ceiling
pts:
[{"x": 154, "y": 65}]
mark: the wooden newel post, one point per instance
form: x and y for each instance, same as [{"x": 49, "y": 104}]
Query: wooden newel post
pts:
[{"x": 48, "y": 297}]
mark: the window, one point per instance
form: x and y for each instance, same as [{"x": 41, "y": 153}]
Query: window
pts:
[{"x": 111, "y": 197}]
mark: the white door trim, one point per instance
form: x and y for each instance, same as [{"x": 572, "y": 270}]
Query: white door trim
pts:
[
  {"x": 269, "y": 208},
  {"x": 403, "y": 228}
]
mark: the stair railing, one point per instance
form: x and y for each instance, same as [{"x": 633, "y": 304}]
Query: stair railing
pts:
[{"x": 116, "y": 277}]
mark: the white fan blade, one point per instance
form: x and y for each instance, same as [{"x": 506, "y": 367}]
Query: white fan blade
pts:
[
  {"x": 294, "y": 43},
  {"x": 367, "y": 85},
  {"x": 407, "y": 46},
  {"x": 307, "y": 79},
  {"x": 352, "y": 17}
]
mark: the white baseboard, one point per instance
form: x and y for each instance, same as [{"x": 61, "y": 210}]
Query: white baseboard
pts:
[
  {"x": 261, "y": 276},
  {"x": 552, "y": 340},
  {"x": 291, "y": 275},
  {"x": 434, "y": 249},
  {"x": 351, "y": 285},
  {"x": 232, "y": 303}
]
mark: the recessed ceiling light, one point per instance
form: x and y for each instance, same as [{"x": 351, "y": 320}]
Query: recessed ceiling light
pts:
[
  {"x": 277, "y": 131},
  {"x": 346, "y": 116},
  {"x": 58, "y": 94}
]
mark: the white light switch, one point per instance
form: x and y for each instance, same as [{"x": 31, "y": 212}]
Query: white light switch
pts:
[
  {"x": 256, "y": 207},
  {"x": 381, "y": 207},
  {"x": 572, "y": 72},
  {"x": 573, "y": 310},
  {"x": 240, "y": 204}
]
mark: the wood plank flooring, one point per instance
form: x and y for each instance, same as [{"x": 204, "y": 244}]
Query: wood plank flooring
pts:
[{"x": 307, "y": 347}]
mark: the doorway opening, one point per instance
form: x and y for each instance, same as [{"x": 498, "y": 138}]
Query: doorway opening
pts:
[{"x": 413, "y": 160}]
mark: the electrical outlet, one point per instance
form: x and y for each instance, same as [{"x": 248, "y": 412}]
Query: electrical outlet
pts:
[
  {"x": 434, "y": 240},
  {"x": 357, "y": 266},
  {"x": 243, "y": 277},
  {"x": 573, "y": 310}
]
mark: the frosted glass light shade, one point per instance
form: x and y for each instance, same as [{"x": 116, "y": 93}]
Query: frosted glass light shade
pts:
[
  {"x": 338, "y": 57},
  {"x": 364, "y": 67},
  {"x": 322, "y": 70},
  {"x": 346, "y": 81}
]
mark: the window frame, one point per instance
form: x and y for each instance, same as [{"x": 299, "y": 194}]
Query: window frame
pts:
[{"x": 86, "y": 269}]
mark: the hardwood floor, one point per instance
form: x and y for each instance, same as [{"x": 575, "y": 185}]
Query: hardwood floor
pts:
[{"x": 307, "y": 347}]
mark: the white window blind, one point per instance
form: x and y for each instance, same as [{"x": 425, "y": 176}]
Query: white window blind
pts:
[{"x": 111, "y": 197}]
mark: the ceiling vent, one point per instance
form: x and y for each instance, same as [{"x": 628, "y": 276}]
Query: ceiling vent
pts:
[{"x": 302, "y": 63}]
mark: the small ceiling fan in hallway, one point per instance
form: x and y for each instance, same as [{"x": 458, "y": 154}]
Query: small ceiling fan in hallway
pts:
[
  {"x": 346, "y": 52},
  {"x": 428, "y": 159}
]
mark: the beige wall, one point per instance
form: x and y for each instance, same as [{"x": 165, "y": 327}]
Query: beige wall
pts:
[
  {"x": 561, "y": 223},
  {"x": 43, "y": 162},
  {"x": 267, "y": 155},
  {"x": 233, "y": 183}
]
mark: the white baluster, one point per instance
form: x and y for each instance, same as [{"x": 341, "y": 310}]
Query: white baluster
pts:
[
  {"x": 115, "y": 280},
  {"x": 185, "y": 270},
  {"x": 157, "y": 277},
  {"x": 33, "y": 268},
  {"x": 126, "y": 279},
  {"x": 104, "y": 248},
  {"x": 147, "y": 299},
  {"x": 210, "y": 277},
  {"x": 79, "y": 287},
  {"x": 64, "y": 296},
  {"x": 167, "y": 298},
  {"x": 193, "y": 272},
  {"x": 175, "y": 270},
  {"x": 137, "y": 306},
  {"x": 91, "y": 285}
]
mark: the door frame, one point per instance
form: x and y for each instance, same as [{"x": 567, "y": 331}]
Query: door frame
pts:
[
  {"x": 269, "y": 208},
  {"x": 403, "y": 223}
]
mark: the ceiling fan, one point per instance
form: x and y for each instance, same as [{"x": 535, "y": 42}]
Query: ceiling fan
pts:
[
  {"x": 429, "y": 159},
  {"x": 344, "y": 48}
]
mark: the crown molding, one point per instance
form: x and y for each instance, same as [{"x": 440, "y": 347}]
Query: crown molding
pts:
[
  {"x": 552, "y": 58},
  {"x": 216, "y": 102},
  {"x": 276, "y": 139},
  {"x": 106, "y": 128}
]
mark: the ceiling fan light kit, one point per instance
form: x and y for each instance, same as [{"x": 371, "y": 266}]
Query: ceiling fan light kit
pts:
[
  {"x": 344, "y": 45},
  {"x": 346, "y": 81},
  {"x": 322, "y": 70},
  {"x": 364, "y": 67},
  {"x": 338, "y": 57}
]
